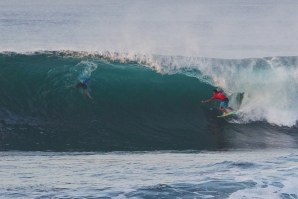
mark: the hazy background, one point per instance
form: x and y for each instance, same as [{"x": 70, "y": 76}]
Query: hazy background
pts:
[{"x": 206, "y": 28}]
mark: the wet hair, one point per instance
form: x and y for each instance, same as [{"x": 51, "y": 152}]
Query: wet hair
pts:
[{"x": 81, "y": 85}]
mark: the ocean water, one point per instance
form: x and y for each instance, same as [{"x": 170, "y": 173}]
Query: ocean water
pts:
[
  {"x": 225, "y": 174},
  {"x": 145, "y": 133},
  {"x": 144, "y": 103}
]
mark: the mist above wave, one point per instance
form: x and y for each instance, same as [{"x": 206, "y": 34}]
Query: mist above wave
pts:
[{"x": 229, "y": 29}]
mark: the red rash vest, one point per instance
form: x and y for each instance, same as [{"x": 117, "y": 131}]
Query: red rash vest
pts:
[{"x": 219, "y": 95}]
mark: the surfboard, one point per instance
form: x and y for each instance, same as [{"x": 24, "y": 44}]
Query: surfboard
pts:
[{"x": 228, "y": 114}]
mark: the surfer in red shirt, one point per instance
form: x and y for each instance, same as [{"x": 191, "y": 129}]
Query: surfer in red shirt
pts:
[{"x": 224, "y": 104}]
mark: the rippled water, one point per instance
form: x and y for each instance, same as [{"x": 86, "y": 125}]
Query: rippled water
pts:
[{"x": 224, "y": 174}]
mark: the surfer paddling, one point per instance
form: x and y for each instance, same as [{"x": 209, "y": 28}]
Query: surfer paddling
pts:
[{"x": 224, "y": 104}]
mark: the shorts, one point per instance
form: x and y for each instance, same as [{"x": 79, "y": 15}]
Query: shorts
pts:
[{"x": 224, "y": 103}]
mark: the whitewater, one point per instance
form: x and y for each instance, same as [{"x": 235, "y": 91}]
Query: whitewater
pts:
[{"x": 145, "y": 133}]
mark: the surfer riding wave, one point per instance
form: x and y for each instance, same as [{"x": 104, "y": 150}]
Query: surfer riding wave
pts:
[{"x": 224, "y": 104}]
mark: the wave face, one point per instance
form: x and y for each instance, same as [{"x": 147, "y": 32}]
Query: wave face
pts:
[{"x": 144, "y": 102}]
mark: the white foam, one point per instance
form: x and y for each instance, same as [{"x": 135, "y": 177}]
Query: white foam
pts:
[
  {"x": 270, "y": 86},
  {"x": 267, "y": 189}
]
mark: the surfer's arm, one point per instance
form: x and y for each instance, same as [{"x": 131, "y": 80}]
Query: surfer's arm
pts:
[
  {"x": 208, "y": 100},
  {"x": 70, "y": 86},
  {"x": 73, "y": 85}
]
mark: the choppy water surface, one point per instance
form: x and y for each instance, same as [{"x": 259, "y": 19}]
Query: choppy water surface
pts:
[{"x": 231, "y": 174}]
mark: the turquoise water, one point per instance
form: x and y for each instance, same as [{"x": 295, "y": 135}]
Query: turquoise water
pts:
[{"x": 142, "y": 103}]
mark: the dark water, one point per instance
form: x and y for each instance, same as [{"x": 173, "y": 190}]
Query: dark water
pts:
[{"x": 136, "y": 107}]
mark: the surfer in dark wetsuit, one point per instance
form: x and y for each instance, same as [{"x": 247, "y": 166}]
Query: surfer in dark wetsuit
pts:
[
  {"x": 83, "y": 84},
  {"x": 224, "y": 104}
]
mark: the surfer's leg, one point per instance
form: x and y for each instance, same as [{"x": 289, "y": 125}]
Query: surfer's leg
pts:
[
  {"x": 87, "y": 94},
  {"x": 223, "y": 110},
  {"x": 222, "y": 107},
  {"x": 225, "y": 105}
]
